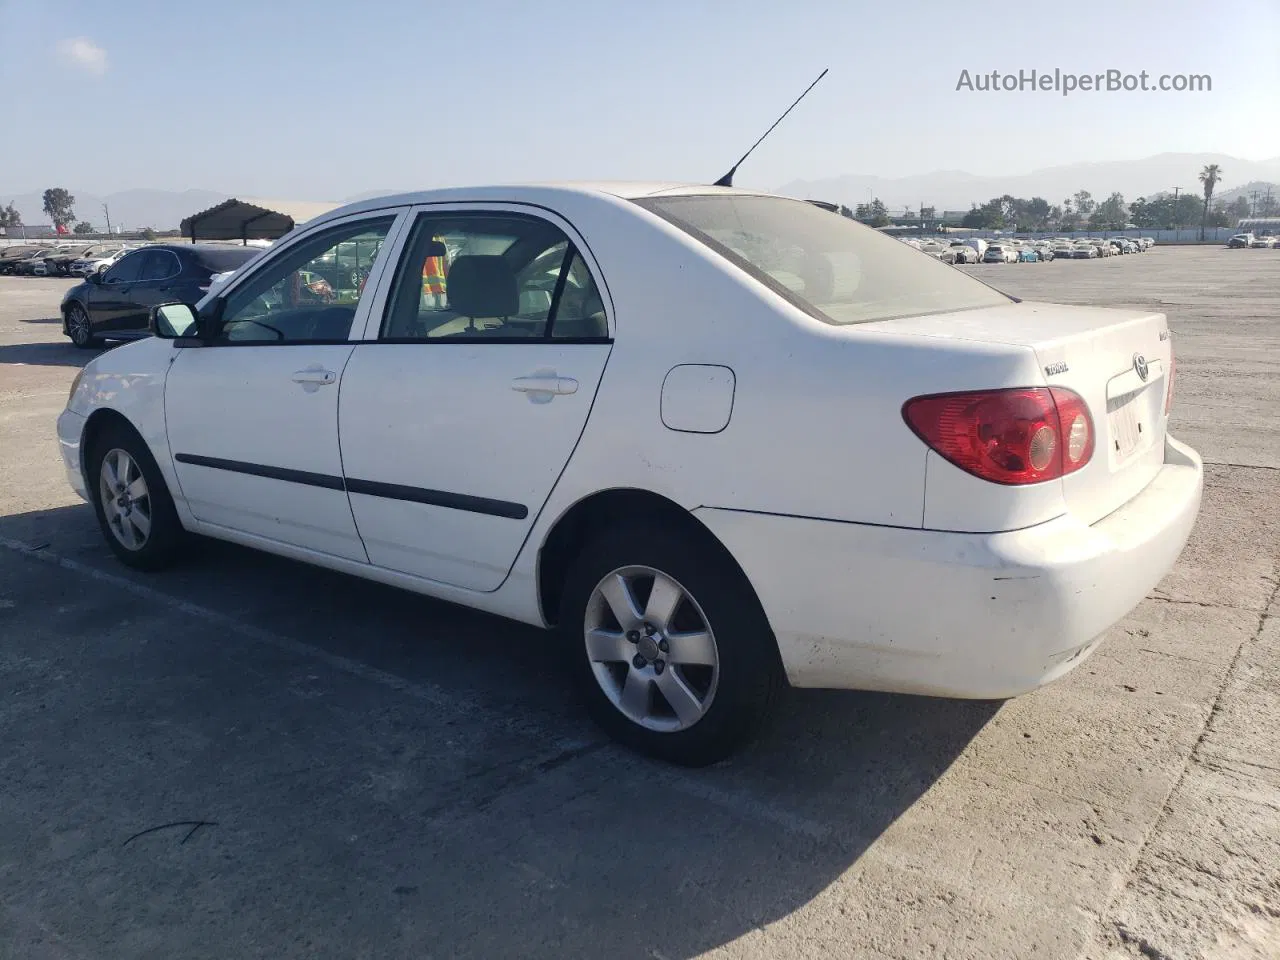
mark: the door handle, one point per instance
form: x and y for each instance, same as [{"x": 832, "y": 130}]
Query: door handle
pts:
[
  {"x": 315, "y": 376},
  {"x": 545, "y": 383}
]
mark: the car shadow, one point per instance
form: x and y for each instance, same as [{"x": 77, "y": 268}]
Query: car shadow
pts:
[
  {"x": 48, "y": 354},
  {"x": 582, "y": 851},
  {"x": 57, "y": 320}
]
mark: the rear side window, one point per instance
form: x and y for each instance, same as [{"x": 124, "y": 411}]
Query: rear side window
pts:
[
  {"x": 221, "y": 261},
  {"x": 831, "y": 267},
  {"x": 160, "y": 265},
  {"x": 481, "y": 276}
]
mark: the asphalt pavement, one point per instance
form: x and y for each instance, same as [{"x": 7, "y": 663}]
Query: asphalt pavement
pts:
[{"x": 248, "y": 757}]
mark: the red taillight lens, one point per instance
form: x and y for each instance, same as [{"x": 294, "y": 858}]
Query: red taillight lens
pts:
[
  {"x": 1168, "y": 394},
  {"x": 1015, "y": 436}
]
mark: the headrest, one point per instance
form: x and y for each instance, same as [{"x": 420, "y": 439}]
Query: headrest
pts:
[{"x": 482, "y": 286}]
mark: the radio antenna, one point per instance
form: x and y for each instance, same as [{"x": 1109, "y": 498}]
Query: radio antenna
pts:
[{"x": 727, "y": 179}]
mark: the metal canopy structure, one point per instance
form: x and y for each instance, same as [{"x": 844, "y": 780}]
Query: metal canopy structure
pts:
[{"x": 251, "y": 218}]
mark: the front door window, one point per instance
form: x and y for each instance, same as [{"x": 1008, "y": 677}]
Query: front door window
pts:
[{"x": 308, "y": 294}]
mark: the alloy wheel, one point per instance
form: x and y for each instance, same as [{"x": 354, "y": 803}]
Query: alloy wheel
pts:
[
  {"x": 78, "y": 325},
  {"x": 651, "y": 648},
  {"x": 126, "y": 501}
]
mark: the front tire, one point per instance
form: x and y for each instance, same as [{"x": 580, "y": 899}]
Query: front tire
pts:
[
  {"x": 669, "y": 645},
  {"x": 134, "y": 508},
  {"x": 79, "y": 327}
]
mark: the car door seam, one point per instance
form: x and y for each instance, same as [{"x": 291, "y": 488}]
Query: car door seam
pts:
[
  {"x": 337, "y": 413},
  {"x": 537, "y": 516}
]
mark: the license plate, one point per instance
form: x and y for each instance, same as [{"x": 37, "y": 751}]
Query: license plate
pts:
[{"x": 1124, "y": 424}]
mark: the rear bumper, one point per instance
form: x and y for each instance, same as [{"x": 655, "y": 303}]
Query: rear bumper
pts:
[{"x": 956, "y": 614}]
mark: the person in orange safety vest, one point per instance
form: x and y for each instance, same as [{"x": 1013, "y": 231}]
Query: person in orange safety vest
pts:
[{"x": 434, "y": 274}]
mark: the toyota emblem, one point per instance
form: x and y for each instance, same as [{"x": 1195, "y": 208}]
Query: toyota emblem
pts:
[{"x": 1140, "y": 365}]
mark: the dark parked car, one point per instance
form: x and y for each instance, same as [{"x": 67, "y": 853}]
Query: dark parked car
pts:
[
  {"x": 59, "y": 264},
  {"x": 26, "y": 266},
  {"x": 11, "y": 256},
  {"x": 115, "y": 304}
]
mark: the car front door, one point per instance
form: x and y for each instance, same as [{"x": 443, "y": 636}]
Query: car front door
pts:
[
  {"x": 253, "y": 415},
  {"x": 108, "y": 299},
  {"x": 160, "y": 270},
  {"x": 465, "y": 402}
]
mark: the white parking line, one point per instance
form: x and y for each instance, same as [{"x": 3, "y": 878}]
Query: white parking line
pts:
[{"x": 738, "y": 802}]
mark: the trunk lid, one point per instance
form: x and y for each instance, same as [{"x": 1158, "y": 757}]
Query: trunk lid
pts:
[{"x": 1117, "y": 360}]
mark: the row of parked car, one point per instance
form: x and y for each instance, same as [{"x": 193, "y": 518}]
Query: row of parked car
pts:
[
  {"x": 1248, "y": 240},
  {"x": 1015, "y": 250},
  {"x": 68, "y": 260}
]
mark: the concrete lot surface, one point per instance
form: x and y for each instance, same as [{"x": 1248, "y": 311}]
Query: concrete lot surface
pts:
[{"x": 246, "y": 757}]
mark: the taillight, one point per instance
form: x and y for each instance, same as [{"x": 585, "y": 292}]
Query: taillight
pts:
[
  {"x": 1168, "y": 393},
  {"x": 1013, "y": 436}
]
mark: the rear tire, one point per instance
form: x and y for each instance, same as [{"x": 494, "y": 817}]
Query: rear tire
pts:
[
  {"x": 688, "y": 670},
  {"x": 134, "y": 508}
]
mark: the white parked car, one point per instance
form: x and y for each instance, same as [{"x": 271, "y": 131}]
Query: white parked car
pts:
[
  {"x": 688, "y": 427},
  {"x": 96, "y": 261}
]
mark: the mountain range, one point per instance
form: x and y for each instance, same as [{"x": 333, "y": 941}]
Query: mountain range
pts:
[
  {"x": 943, "y": 189},
  {"x": 957, "y": 190}
]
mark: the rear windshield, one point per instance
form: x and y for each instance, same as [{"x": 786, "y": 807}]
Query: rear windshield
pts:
[
  {"x": 832, "y": 267},
  {"x": 220, "y": 261}
]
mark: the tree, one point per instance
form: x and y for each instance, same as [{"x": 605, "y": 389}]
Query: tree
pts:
[
  {"x": 879, "y": 213},
  {"x": 973, "y": 220},
  {"x": 928, "y": 213},
  {"x": 59, "y": 206},
  {"x": 1140, "y": 213},
  {"x": 1239, "y": 207},
  {"x": 1037, "y": 210},
  {"x": 1209, "y": 179},
  {"x": 1219, "y": 216},
  {"x": 84, "y": 226},
  {"x": 1084, "y": 203},
  {"x": 1069, "y": 219},
  {"x": 1112, "y": 213},
  {"x": 10, "y": 217},
  {"x": 148, "y": 234}
]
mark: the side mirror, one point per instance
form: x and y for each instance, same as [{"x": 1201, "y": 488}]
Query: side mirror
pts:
[
  {"x": 94, "y": 277},
  {"x": 173, "y": 321}
]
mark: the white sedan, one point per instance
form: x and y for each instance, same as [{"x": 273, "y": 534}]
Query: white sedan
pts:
[{"x": 719, "y": 440}]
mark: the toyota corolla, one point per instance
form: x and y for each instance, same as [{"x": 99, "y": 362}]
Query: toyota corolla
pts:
[{"x": 719, "y": 441}]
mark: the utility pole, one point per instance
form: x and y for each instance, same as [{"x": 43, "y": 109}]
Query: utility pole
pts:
[
  {"x": 107, "y": 213},
  {"x": 1176, "y": 224}
]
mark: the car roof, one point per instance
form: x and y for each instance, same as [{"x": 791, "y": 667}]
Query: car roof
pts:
[{"x": 537, "y": 193}]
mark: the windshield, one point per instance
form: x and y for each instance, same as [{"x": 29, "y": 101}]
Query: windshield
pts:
[{"x": 830, "y": 266}]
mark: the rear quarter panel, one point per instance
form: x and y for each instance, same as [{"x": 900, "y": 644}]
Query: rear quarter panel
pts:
[{"x": 816, "y": 427}]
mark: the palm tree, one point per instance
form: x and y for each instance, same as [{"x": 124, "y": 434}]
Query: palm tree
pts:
[{"x": 1209, "y": 176}]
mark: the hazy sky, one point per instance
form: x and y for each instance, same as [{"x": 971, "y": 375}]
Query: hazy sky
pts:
[{"x": 327, "y": 98}]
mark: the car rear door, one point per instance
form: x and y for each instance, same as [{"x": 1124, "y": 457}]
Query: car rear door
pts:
[
  {"x": 253, "y": 417},
  {"x": 462, "y": 406}
]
